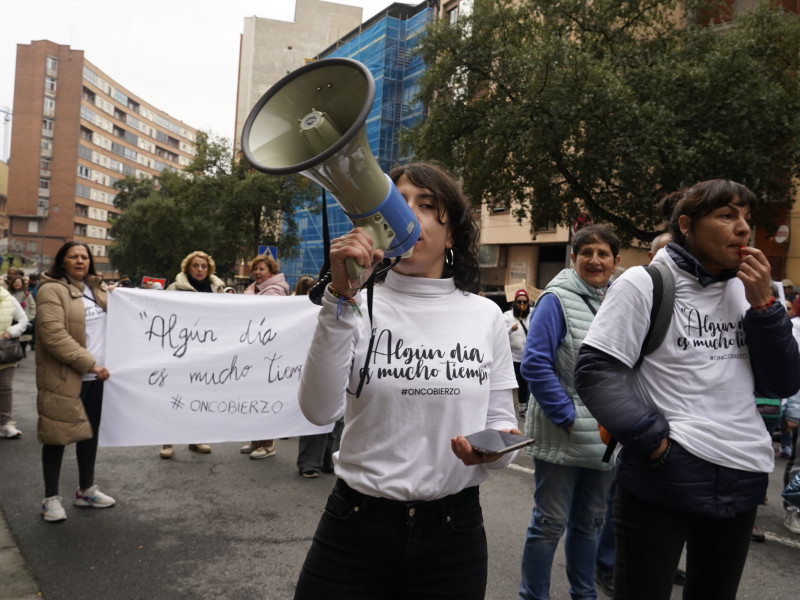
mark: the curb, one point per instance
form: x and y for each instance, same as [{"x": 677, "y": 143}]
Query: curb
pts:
[{"x": 16, "y": 580}]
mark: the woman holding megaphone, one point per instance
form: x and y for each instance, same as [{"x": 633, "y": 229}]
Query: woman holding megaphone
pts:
[{"x": 426, "y": 363}]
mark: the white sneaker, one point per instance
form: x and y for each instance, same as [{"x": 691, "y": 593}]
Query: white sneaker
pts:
[
  {"x": 791, "y": 520},
  {"x": 93, "y": 497},
  {"x": 263, "y": 452},
  {"x": 9, "y": 431},
  {"x": 52, "y": 509}
]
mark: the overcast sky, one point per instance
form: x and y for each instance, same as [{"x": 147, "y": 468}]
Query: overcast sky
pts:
[{"x": 182, "y": 56}]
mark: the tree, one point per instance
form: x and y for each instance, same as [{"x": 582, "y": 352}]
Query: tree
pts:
[
  {"x": 216, "y": 205},
  {"x": 557, "y": 107}
]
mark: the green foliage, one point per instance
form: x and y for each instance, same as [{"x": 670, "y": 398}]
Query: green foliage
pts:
[
  {"x": 216, "y": 205},
  {"x": 560, "y": 106}
]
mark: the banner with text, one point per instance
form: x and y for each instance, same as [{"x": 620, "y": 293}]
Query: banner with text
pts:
[{"x": 190, "y": 368}]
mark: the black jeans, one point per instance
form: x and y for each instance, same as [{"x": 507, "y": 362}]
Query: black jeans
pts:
[
  {"x": 367, "y": 548},
  {"x": 85, "y": 451},
  {"x": 650, "y": 540}
]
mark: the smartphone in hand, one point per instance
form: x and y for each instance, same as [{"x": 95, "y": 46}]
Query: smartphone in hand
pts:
[{"x": 494, "y": 443}]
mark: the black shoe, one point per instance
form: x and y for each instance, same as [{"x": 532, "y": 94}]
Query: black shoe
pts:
[
  {"x": 680, "y": 577},
  {"x": 605, "y": 582}
]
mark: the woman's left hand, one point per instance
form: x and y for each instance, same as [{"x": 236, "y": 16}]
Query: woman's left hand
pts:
[
  {"x": 6, "y": 335},
  {"x": 756, "y": 274},
  {"x": 463, "y": 450},
  {"x": 101, "y": 372}
]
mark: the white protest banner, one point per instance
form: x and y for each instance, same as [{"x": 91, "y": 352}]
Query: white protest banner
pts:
[{"x": 188, "y": 368}]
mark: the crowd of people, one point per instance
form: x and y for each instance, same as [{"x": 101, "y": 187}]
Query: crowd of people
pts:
[{"x": 642, "y": 450}]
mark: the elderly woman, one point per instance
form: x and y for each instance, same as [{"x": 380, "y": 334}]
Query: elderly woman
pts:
[
  {"x": 71, "y": 335},
  {"x": 267, "y": 281},
  {"x": 695, "y": 456},
  {"x": 196, "y": 275}
]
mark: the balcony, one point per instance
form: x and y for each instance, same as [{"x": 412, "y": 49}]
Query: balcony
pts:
[
  {"x": 47, "y": 152},
  {"x": 48, "y": 133},
  {"x": 45, "y": 173}
]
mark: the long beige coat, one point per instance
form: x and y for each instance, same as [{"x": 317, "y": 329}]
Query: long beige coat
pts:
[{"x": 62, "y": 358}]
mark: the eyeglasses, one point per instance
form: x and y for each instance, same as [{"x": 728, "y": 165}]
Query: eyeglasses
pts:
[{"x": 520, "y": 302}]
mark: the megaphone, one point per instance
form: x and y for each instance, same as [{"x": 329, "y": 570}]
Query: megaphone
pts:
[{"x": 313, "y": 122}]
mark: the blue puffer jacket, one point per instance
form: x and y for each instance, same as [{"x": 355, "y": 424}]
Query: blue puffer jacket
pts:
[{"x": 683, "y": 481}]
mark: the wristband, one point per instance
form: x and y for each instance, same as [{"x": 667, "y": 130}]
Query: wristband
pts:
[
  {"x": 656, "y": 463},
  {"x": 767, "y": 305},
  {"x": 342, "y": 300},
  {"x": 337, "y": 294}
]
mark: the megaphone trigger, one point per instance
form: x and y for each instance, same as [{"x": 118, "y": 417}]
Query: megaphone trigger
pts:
[{"x": 354, "y": 270}]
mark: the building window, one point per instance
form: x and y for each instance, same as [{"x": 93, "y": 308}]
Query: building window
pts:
[
  {"x": 50, "y": 85},
  {"x": 52, "y": 65},
  {"x": 44, "y": 184},
  {"x": 84, "y": 172},
  {"x": 33, "y": 226},
  {"x": 32, "y": 247},
  {"x": 88, "y": 114}
]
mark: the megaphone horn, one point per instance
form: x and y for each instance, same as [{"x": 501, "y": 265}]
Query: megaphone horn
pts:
[{"x": 313, "y": 122}]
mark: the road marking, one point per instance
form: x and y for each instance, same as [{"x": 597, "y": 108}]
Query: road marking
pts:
[
  {"x": 517, "y": 467},
  {"x": 773, "y": 537}
]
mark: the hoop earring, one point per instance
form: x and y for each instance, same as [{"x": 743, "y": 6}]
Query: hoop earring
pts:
[{"x": 449, "y": 257}]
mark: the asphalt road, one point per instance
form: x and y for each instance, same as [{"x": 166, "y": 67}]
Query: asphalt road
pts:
[{"x": 222, "y": 526}]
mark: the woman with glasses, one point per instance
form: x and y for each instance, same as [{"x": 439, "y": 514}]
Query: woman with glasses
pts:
[{"x": 517, "y": 321}]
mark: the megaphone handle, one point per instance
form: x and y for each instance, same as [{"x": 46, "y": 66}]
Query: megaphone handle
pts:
[{"x": 354, "y": 270}]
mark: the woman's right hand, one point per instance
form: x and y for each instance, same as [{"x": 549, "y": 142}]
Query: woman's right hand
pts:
[
  {"x": 101, "y": 372},
  {"x": 356, "y": 245},
  {"x": 662, "y": 447}
]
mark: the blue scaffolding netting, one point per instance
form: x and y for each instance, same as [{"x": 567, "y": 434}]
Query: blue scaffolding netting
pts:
[{"x": 386, "y": 50}]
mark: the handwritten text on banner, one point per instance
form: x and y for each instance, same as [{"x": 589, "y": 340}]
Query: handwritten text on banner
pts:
[{"x": 189, "y": 368}]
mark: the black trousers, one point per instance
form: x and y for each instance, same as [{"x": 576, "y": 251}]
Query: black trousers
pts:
[
  {"x": 367, "y": 548},
  {"x": 650, "y": 540},
  {"x": 85, "y": 451}
]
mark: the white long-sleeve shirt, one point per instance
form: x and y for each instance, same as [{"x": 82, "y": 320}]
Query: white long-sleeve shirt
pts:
[{"x": 441, "y": 367}]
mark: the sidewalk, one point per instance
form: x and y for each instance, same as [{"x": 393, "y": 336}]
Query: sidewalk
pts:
[{"x": 16, "y": 580}]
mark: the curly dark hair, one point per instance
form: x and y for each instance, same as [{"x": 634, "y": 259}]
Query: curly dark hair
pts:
[{"x": 454, "y": 211}]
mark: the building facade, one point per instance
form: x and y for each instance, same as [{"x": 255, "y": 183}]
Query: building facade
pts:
[
  {"x": 269, "y": 49},
  {"x": 76, "y": 132}
]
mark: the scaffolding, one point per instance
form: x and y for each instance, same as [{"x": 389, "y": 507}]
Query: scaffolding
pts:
[{"x": 385, "y": 47}]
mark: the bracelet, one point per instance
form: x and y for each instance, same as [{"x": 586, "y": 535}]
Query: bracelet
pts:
[
  {"x": 763, "y": 306},
  {"x": 342, "y": 300},
  {"x": 654, "y": 464},
  {"x": 337, "y": 294}
]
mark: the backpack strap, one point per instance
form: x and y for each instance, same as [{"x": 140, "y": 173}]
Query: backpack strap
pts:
[
  {"x": 660, "y": 318},
  {"x": 663, "y": 307}
]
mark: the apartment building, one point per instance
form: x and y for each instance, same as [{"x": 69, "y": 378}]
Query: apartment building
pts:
[
  {"x": 76, "y": 132},
  {"x": 269, "y": 48}
]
